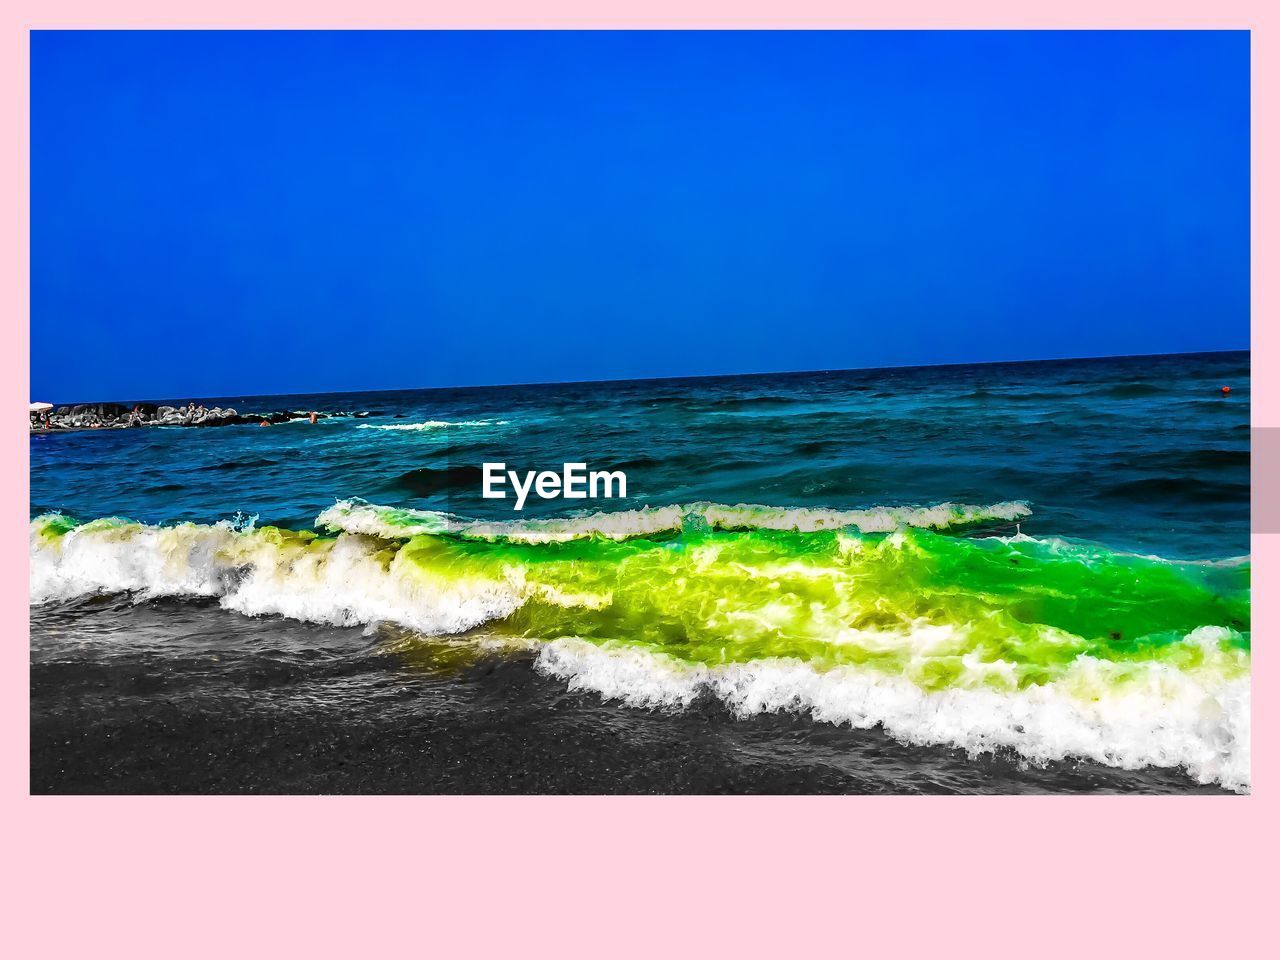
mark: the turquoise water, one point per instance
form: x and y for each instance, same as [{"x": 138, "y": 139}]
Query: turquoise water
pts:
[{"x": 1139, "y": 454}]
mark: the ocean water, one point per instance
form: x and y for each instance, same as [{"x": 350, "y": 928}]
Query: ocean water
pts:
[{"x": 993, "y": 578}]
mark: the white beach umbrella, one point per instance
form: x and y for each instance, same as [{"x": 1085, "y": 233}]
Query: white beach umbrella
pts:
[{"x": 40, "y": 407}]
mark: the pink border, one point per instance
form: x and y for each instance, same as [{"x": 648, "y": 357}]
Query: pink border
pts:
[{"x": 205, "y": 876}]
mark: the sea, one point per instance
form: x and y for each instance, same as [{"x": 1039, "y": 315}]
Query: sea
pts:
[{"x": 996, "y": 578}]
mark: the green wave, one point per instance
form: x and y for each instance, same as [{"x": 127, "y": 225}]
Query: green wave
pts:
[
  {"x": 1050, "y": 647},
  {"x": 932, "y": 607},
  {"x": 916, "y": 603}
]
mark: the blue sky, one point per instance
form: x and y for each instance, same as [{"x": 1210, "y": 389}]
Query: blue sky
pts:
[{"x": 229, "y": 213}]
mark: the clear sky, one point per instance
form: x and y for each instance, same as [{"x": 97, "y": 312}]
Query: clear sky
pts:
[{"x": 217, "y": 214}]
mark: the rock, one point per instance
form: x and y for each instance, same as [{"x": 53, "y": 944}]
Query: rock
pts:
[{"x": 115, "y": 415}]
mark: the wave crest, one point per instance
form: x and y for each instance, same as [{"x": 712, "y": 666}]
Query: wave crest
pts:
[{"x": 357, "y": 516}]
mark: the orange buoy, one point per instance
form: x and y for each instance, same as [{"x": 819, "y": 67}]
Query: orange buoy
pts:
[{"x": 1225, "y": 391}]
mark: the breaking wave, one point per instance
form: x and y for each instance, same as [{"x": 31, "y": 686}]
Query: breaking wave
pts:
[
  {"x": 1160, "y": 716},
  {"x": 1050, "y": 648}
]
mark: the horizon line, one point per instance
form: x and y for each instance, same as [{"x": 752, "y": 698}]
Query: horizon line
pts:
[{"x": 695, "y": 376}]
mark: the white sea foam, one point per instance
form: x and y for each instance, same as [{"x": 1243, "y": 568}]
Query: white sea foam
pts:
[
  {"x": 869, "y": 520},
  {"x": 433, "y": 424},
  {"x": 1157, "y": 715},
  {"x": 351, "y": 581},
  {"x": 617, "y": 525},
  {"x": 356, "y": 516}
]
